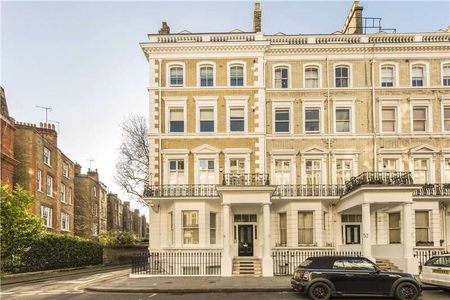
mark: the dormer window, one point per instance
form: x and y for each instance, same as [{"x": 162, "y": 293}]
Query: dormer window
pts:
[
  {"x": 176, "y": 75},
  {"x": 207, "y": 75},
  {"x": 236, "y": 75}
]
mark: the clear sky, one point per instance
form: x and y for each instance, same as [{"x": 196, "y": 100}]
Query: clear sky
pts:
[{"x": 83, "y": 58}]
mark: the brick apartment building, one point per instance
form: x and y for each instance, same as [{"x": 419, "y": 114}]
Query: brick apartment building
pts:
[{"x": 115, "y": 213}]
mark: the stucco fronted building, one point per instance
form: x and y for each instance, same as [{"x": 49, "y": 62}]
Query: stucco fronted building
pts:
[{"x": 264, "y": 147}]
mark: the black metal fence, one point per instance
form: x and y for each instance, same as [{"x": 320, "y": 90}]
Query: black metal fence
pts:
[
  {"x": 424, "y": 255},
  {"x": 285, "y": 261},
  {"x": 178, "y": 263},
  {"x": 434, "y": 190},
  {"x": 382, "y": 178}
]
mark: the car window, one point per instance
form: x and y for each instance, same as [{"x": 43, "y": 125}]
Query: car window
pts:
[
  {"x": 306, "y": 262},
  {"x": 438, "y": 261},
  {"x": 358, "y": 264},
  {"x": 339, "y": 265}
]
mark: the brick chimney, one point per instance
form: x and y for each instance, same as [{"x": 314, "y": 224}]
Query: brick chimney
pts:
[
  {"x": 165, "y": 29},
  {"x": 257, "y": 17},
  {"x": 93, "y": 174}
]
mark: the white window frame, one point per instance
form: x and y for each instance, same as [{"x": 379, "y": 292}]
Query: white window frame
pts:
[
  {"x": 67, "y": 216},
  {"x": 236, "y": 62},
  {"x": 203, "y": 63},
  {"x": 171, "y": 64},
  {"x": 206, "y": 152},
  {"x": 174, "y": 102},
  {"x": 397, "y": 157},
  {"x": 204, "y": 102},
  {"x": 319, "y": 70},
  {"x": 283, "y": 104},
  {"x": 49, "y": 223},
  {"x": 323, "y": 171},
  {"x": 284, "y": 154},
  {"x": 313, "y": 103},
  {"x": 445, "y": 156},
  {"x": 395, "y": 81},
  {"x": 429, "y": 123},
  {"x": 444, "y": 103},
  {"x": 394, "y": 103},
  {"x": 62, "y": 192},
  {"x": 65, "y": 169},
  {"x": 47, "y": 186},
  {"x": 49, "y": 163},
  {"x": 442, "y": 71},
  {"x": 237, "y": 153},
  {"x": 237, "y": 102},
  {"x": 341, "y": 103},
  {"x": 350, "y": 76},
  {"x": 430, "y": 167},
  {"x": 344, "y": 154},
  {"x": 288, "y": 66},
  {"x": 175, "y": 154},
  {"x": 39, "y": 180},
  {"x": 426, "y": 75}
]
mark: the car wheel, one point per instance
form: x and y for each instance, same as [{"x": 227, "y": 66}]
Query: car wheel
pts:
[
  {"x": 407, "y": 291},
  {"x": 319, "y": 291}
]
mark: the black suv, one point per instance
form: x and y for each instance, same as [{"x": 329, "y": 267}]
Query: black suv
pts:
[{"x": 327, "y": 276}]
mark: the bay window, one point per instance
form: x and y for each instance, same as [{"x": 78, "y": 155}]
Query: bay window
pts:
[
  {"x": 305, "y": 228},
  {"x": 394, "y": 228},
  {"x": 190, "y": 227},
  {"x": 422, "y": 226},
  {"x": 283, "y": 228}
]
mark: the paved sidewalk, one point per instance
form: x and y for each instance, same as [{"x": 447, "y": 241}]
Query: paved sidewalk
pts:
[{"x": 194, "y": 284}]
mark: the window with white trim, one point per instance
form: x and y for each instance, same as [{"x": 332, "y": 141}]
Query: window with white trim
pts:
[
  {"x": 237, "y": 165},
  {"x": 46, "y": 216},
  {"x": 344, "y": 170},
  {"x": 343, "y": 121},
  {"x": 177, "y": 173},
  {"x": 282, "y": 119},
  {"x": 49, "y": 186},
  {"x": 446, "y": 172},
  {"x": 190, "y": 227},
  {"x": 65, "y": 169},
  {"x": 62, "y": 194},
  {"x": 212, "y": 228},
  {"x": 207, "y": 75},
  {"x": 47, "y": 156},
  {"x": 394, "y": 228},
  {"x": 176, "y": 119},
  {"x": 283, "y": 228},
  {"x": 283, "y": 171},
  {"x": 281, "y": 79},
  {"x": 422, "y": 226},
  {"x": 420, "y": 120},
  {"x": 421, "y": 170},
  {"x": 387, "y": 77},
  {"x": 311, "y": 77},
  {"x": 418, "y": 75},
  {"x": 312, "y": 120},
  {"x": 206, "y": 171},
  {"x": 176, "y": 74},
  {"x": 313, "y": 171},
  {"x": 65, "y": 222},
  {"x": 305, "y": 227},
  {"x": 236, "y": 75},
  {"x": 391, "y": 164},
  {"x": 446, "y": 75},
  {"x": 69, "y": 195},
  {"x": 39, "y": 180},
  {"x": 342, "y": 76},
  {"x": 206, "y": 119},
  {"x": 388, "y": 119},
  {"x": 237, "y": 119},
  {"x": 171, "y": 231},
  {"x": 446, "y": 117}
]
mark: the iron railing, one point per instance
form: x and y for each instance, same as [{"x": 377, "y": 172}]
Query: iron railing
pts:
[
  {"x": 285, "y": 261},
  {"x": 181, "y": 190},
  {"x": 434, "y": 190},
  {"x": 245, "y": 179},
  {"x": 317, "y": 190},
  {"x": 425, "y": 254},
  {"x": 378, "y": 178},
  {"x": 178, "y": 262}
]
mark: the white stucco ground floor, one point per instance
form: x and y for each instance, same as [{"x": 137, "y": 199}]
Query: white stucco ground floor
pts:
[{"x": 260, "y": 230}]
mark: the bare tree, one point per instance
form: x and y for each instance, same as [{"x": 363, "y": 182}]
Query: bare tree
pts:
[{"x": 133, "y": 162}]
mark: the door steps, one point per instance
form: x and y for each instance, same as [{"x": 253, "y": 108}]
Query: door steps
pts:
[
  {"x": 387, "y": 265},
  {"x": 247, "y": 267}
]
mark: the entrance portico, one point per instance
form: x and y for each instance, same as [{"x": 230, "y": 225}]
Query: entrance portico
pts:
[{"x": 251, "y": 239}]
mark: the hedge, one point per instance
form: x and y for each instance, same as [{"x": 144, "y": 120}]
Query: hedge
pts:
[{"x": 55, "y": 251}]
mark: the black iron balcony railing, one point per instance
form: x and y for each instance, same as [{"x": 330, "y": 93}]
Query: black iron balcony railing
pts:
[
  {"x": 434, "y": 190},
  {"x": 380, "y": 178},
  {"x": 182, "y": 190},
  {"x": 318, "y": 190},
  {"x": 245, "y": 179}
]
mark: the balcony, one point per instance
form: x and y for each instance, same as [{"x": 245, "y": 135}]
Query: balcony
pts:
[
  {"x": 181, "y": 190},
  {"x": 245, "y": 179},
  {"x": 378, "y": 178},
  {"x": 439, "y": 190},
  {"x": 303, "y": 190}
]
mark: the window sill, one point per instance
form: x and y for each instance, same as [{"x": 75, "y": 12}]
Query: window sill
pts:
[{"x": 48, "y": 165}]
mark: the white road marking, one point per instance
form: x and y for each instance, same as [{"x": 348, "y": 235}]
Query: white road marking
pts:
[{"x": 153, "y": 295}]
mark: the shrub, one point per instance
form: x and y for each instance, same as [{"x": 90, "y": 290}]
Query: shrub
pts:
[
  {"x": 115, "y": 238},
  {"x": 54, "y": 251}
]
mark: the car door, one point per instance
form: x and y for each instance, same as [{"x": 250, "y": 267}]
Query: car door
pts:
[
  {"x": 362, "y": 277},
  {"x": 338, "y": 276}
]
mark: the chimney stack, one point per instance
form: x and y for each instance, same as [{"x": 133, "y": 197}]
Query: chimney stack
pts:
[
  {"x": 77, "y": 169},
  {"x": 257, "y": 17}
]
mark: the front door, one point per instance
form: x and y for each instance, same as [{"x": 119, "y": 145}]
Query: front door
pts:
[
  {"x": 352, "y": 234},
  {"x": 245, "y": 240}
]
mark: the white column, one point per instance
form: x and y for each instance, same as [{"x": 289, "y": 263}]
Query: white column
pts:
[
  {"x": 267, "y": 262},
  {"x": 366, "y": 241},
  {"x": 407, "y": 231},
  {"x": 226, "y": 255}
]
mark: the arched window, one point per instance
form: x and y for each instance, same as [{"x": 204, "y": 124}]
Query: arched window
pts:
[
  {"x": 446, "y": 74},
  {"x": 387, "y": 76},
  {"x": 342, "y": 76},
  {"x": 176, "y": 75},
  {"x": 311, "y": 77},
  {"x": 207, "y": 75},
  {"x": 281, "y": 77},
  {"x": 236, "y": 75},
  {"x": 418, "y": 73}
]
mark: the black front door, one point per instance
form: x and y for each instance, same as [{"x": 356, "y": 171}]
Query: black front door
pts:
[
  {"x": 245, "y": 240},
  {"x": 352, "y": 234}
]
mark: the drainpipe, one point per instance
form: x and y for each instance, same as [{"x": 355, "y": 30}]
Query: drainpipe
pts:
[
  {"x": 159, "y": 124},
  {"x": 328, "y": 121},
  {"x": 374, "y": 123}
]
